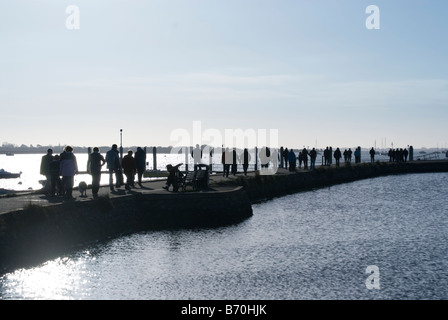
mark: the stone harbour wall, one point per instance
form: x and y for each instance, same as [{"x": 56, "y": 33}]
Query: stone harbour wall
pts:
[{"x": 37, "y": 232}]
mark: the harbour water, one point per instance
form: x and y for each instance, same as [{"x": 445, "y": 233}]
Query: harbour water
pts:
[{"x": 310, "y": 245}]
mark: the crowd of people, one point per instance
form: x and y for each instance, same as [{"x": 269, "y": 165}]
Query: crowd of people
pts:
[
  {"x": 60, "y": 169},
  {"x": 398, "y": 155}
]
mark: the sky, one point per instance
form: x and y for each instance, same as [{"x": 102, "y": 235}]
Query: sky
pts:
[{"x": 172, "y": 72}]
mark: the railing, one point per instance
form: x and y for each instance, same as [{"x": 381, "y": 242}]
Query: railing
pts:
[{"x": 429, "y": 156}]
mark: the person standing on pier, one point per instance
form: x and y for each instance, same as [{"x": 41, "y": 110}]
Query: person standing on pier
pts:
[
  {"x": 69, "y": 168},
  {"x": 54, "y": 174},
  {"x": 94, "y": 163},
  {"x": 246, "y": 160},
  {"x": 114, "y": 166},
  {"x": 140, "y": 162},
  {"x": 372, "y": 155},
  {"x": 45, "y": 169},
  {"x": 130, "y": 169},
  {"x": 196, "y": 153},
  {"x": 327, "y": 156},
  {"x": 337, "y": 156},
  {"x": 226, "y": 160},
  {"x": 292, "y": 159},
  {"x": 285, "y": 157},
  {"x": 405, "y": 154},
  {"x": 313, "y": 156},
  {"x": 234, "y": 162},
  {"x": 305, "y": 158}
]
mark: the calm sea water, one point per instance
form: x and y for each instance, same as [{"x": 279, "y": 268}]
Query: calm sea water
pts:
[{"x": 310, "y": 245}]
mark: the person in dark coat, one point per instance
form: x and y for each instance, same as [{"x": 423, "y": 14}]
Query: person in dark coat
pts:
[
  {"x": 234, "y": 162},
  {"x": 285, "y": 156},
  {"x": 114, "y": 166},
  {"x": 140, "y": 162},
  {"x": 337, "y": 156},
  {"x": 246, "y": 160},
  {"x": 372, "y": 155},
  {"x": 313, "y": 156},
  {"x": 173, "y": 177},
  {"x": 292, "y": 159},
  {"x": 130, "y": 169},
  {"x": 68, "y": 170},
  {"x": 327, "y": 156},
  {"x": 45, "y": 169},
  {"x": 305, "y": 158},
  {"x": 55, "y": 179},
  {"x": 226, "y": 160},
  {"x": 94, "y": 163}
]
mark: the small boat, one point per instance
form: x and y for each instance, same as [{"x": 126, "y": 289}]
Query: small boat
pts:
[{"x": 8, "y": 175}]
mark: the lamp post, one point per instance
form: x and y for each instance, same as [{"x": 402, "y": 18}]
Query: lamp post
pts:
[{"x": 121, "y": 145}]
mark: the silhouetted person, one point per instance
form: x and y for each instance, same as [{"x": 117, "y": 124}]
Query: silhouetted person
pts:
[
  {"x": 372, "y": 155},
  {"x": 114, "y": 166},
  {"x": 305, "y": 158},
  {"x": 45, "y": 169},
  {"x": 313, "y": 156},
  {"x": 196, "y": 153},
  {"x": 234, "y": 162},
  {"x": 246, "y": 160},
  {"x": 173, "y": 177},
  {"x": 349, "y": 155},
  {"x": 405, "y": 154},
  {"x": 226, "y": 161},
  {"x": 357, "y": 155},
  {"x": 285, "y": 157},
  {"x": 68, "y": 169},
  {"x": 337, "y": 156},
  {"x": 280, "y": 154},
  {"x": 299, "y": 157},
  {"x": 54, "y": 168},
  {"x": 400, "y": 155},
  {"x": 130, "y": 169},
  {"x": 95, "y": 162},
  {"x": 140, "y": 162},
  {"x": 292, "y": 160},
  {"x": 327, "y": 156}
]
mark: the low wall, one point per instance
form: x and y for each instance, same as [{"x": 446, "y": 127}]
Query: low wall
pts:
[
  {"x": 263, "y": 187},
  {"x": 36, "y": 233}
]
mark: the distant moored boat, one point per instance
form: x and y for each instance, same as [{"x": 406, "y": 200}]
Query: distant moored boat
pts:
[{"x": 8, "y": 175}]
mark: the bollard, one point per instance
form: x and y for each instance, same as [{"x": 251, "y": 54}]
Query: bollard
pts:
[{"x": 154, "y": 158}]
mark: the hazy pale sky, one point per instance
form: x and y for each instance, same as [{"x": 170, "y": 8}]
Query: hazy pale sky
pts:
[{"x": 311, "y": 70}]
